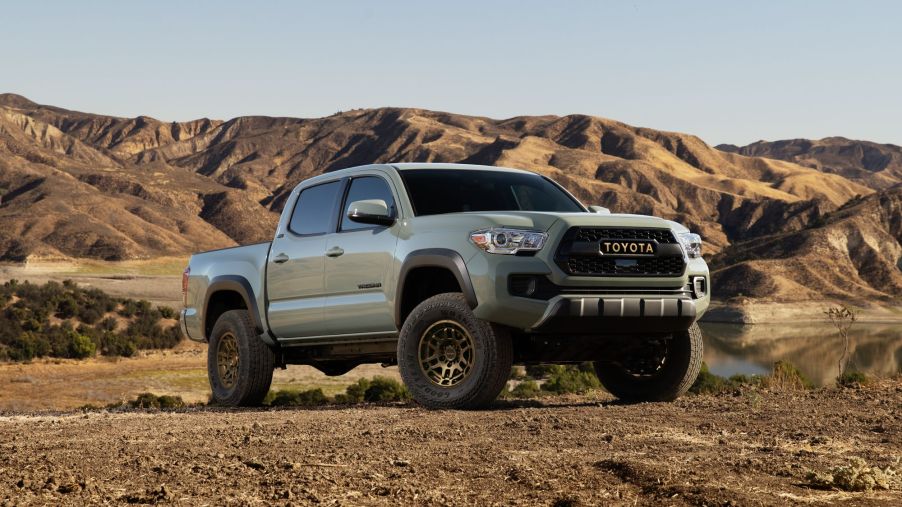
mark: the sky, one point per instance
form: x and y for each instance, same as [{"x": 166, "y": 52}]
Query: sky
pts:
[{"x": 729, "y": 72}]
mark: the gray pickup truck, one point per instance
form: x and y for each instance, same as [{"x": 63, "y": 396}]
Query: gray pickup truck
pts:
[{"x": 454, "y": 273}]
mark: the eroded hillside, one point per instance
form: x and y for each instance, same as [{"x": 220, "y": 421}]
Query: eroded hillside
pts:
[{"x": 78, "y": 185}]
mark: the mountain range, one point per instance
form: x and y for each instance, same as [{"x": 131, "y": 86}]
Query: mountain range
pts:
[{"x": 782, "y": 221}]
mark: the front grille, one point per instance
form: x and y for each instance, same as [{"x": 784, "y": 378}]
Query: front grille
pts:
[
  {"x": 650, "y": 266},
  {"x": 662, "y": 236},
  {"x": 578, "y": 254}
]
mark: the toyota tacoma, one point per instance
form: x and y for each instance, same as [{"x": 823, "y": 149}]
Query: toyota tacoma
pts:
[{"x": 454, "y": 273}]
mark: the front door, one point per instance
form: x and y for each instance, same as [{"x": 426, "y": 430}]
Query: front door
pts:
[
  {"x": 359, "y": 260},
  {"x": 295, "y": 275}
]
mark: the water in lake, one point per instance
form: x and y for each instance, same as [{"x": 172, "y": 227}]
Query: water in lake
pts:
[{"x": 814, "y": 348}]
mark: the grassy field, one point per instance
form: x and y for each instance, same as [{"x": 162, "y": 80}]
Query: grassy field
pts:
[
  {"x": 158, "y": 281},
  {"x": 63, "y": 384}
]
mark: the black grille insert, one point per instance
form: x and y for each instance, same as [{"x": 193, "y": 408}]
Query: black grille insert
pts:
[
  {"x": 662, "y": 236},
  {"x": 578, "y": 254}
]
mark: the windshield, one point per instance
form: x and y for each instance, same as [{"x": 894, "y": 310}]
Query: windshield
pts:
[{"x": 437, "y": 191}]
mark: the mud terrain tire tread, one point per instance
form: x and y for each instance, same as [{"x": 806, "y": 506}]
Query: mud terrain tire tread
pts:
[
  {"x": 255, "y": 365},
  {"x": 492, "y": 362},
  {"x": 682, "y": 368}
]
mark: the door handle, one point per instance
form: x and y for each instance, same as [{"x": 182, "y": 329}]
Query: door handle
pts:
[
  {"x": 334, "y": 252},
  {"x": 279, "y": 259}
]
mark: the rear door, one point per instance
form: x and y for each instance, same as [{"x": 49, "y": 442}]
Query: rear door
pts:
[
  {"x": 359, "y": 265},
  {"x": 295, "y": 276}
]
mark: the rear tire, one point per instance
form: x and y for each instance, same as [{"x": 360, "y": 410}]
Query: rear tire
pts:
[
  {"x": 239, "y": 364},
  {"x": 449, "y": 359},
  {"x": 681, "y": 362}
]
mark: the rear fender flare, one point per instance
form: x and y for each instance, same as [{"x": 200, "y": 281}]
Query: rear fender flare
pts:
[{"x": 239, "y": 285}]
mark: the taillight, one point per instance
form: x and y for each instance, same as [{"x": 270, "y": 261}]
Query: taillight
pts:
[{"x": 185, "y": 275}]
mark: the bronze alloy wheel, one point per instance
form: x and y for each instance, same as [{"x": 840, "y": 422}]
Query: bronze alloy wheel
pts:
[
  {"x": 446, "y": 353},
  {"x": 227, "y": 360}
]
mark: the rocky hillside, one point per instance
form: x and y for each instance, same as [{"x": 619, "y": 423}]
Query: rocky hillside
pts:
[
  {"x": 82, "y": 185},
  {"x": 851, "y": 253},
  {"x": 68, "y": 189},
  {"x": 875, "y": 165}
]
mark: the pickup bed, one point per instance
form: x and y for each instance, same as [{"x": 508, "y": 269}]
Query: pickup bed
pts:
[{"x": 454, "y": 273}]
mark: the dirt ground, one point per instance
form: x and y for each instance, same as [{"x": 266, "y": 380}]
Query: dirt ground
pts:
[{"x": 752, "y": 448}]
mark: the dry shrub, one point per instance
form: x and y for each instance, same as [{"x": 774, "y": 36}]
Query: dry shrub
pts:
[
  {"x": 856, "y": 476},
  {"x": 786, "y": 377},
  {"x": 164, "y": 402}
]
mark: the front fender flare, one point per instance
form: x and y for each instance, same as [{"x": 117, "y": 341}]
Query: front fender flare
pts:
[{"x": 439, "y": 258}]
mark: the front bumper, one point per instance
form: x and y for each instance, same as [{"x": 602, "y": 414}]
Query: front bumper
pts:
[
  {"x": 616, "y": 315},
  {"x": 587, "y": 305}
]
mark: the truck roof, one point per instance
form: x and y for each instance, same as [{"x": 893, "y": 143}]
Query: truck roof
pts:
[{"x": 405, "y": 166}]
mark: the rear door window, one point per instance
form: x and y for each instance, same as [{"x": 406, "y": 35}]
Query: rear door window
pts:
[{"x": 314, "y": 212}]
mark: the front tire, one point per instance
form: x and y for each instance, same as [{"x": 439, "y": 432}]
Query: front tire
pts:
[
  {"x": 449, "y": 359},
  {"x": 662, "y": 372},
  {"x": 239, "y": 364}
]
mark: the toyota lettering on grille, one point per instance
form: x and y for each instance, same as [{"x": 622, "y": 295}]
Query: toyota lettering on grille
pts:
[{"x": 637, "y": 248}]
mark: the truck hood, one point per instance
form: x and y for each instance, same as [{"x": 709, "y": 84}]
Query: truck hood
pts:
[{"x": 542, "y": 221}]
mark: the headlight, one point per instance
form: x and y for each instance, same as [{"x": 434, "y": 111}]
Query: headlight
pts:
[
  {"x": 692, "y": 244},
  {"x": 500, "y": 240}
]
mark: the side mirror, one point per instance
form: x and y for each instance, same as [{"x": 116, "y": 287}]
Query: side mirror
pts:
[
  {"x": 599, "y": 209},
  {"x": 371, "y": 211}
]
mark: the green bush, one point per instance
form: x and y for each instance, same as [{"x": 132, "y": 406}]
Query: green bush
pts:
[
  {"x": 570, "y": 379},
  {"x": 167, "y": 312},
  {"x": 27, "y": 346},
  {"x": 709, "y": 383},
  {"x": 112, "y": 344},
  {"x": 382, "y": 389},
  {"x": 26, "y": 331},
  {"x": 538, "y": 371},
  {"x": 81, "y": 346},
  {"x": 89, "y": 315},
  {"x": 355, "y": 392},
  {"x": 107, "y": 324},
  {"x": 525, "y": 389},
  {"x": 852, "y": 379},
  {"x": 66, "y": 308},
  {"x": 308, "y": 398},
  {"x": 144, "y": 307},
  {"x": 164, "y": 402},
  {"x": 129, "y": 308}
]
